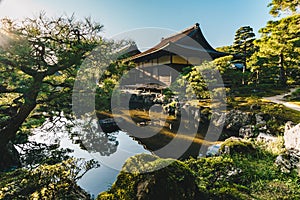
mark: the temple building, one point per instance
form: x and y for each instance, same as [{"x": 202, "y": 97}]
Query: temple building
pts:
[{"x": 163, "y": 62}]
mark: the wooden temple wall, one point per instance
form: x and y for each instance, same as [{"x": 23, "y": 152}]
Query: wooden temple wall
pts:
[{"x": 153, "y": 70}]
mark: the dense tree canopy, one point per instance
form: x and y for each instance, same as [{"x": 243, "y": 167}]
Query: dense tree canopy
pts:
[
  {"x": 203, "y": 81},
  {"x": 279, "y": 47},
  {"x": 278, "y": 6},
  {"x": 38, "y": 65}
]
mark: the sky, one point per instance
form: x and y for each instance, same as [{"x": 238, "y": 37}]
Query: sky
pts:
[{"x": 147, "y": 21}]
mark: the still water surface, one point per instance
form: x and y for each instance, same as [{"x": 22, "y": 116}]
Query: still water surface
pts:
[{"x": 120, "y": 147}]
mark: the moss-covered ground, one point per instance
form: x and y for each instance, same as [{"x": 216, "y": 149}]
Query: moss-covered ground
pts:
[{"x": 250, "y": 174}]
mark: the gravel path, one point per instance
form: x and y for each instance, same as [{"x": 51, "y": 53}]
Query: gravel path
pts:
[{"x": 280, "y": 100}]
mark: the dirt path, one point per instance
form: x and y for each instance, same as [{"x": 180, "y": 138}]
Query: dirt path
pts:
[{"x": 280, "y": 100}]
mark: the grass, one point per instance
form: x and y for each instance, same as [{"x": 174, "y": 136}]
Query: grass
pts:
[
  {"x": 264, "y": 179},
  {"x": 256, "y": 104},
  {"x": 258, "y": 91}
]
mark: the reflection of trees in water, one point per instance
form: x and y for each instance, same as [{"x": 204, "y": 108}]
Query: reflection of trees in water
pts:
[
  {"x": 90, "y": 137},
  {"x": 44, "y": 147},
  {"x": 33, "y": 154}
]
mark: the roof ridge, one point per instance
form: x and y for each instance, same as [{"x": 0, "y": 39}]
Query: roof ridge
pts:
[
  {"x": 177, "y": 37},
  {"x": 181, "y": 32}
]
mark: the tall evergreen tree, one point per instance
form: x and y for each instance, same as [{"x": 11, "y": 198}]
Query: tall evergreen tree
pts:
[{"x": 243, "y": 44}]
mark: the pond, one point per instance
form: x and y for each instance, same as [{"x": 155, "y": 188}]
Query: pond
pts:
[
  {"x": 111, "y": 150},
  {"x": 121, "y": 146}
]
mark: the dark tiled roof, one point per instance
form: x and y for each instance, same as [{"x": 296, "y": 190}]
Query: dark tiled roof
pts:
[{"x": 193, "y": 32}]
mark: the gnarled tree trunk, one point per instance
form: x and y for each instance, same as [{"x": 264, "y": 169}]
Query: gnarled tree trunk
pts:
[
  {"x": 8, "y": 154},
  {"x": 9, "y": 157}
]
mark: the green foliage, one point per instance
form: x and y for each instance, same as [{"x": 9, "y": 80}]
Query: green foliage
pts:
[
  {"x": 210, "y": 171},
  {"x": 258, "y": 173},
  {"x": 45, "y": 182},
  {"x": 280, "y": 115},
  {"x": 234, "y": 78},
  {"x": 278, "y": 50},
  {"x": 196, "y": 80},
  {"x": 295, "y": 96},
  {"x": 275, "y": 147},
  {"x": 216, "y": 176},
  {"x": 226, "y": 49},
  {"x": 279, "y": 6},
  {"x": 243, "y": 43},
  {"x": 244, "y": 175},
  {"x": 223, "y": 63},
  {"x": 276, "y": 115},
  {"x": 34, "y": 154},
  {"x": 38, "y": 66},
  {"x": 108, "y": 82},
  {"x": 168, "y": 93}
]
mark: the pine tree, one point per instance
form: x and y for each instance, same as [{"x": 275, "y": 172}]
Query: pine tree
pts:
[
  {"x": 279, "y": 45},
  {"x": 243, "y": 45}
]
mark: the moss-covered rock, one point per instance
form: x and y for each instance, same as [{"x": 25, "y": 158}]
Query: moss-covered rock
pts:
[
  {"x": 227, "y": 177},
  {"x": 171, "y": 179},
  {"x": 234, "y": 145},
  {"x": 216, "y": 177}
]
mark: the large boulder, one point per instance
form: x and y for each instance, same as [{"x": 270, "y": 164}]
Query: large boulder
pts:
[
  {"x": 244, "y": 124},
  {"x": 247, "y": 131},
  {"x": 260, "y": 121},
  {"x": 137, "y": 180},
  {"x": 271, "y": 143},
  {"x": 266, "y": 138},
  {"x": 235, "y": 119},
  {"x": 235, "y": 145},
  {"x": 257, "y": 126},
  {"x": 292, "y": 136},
  {"x": 289, "y": 161}
]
